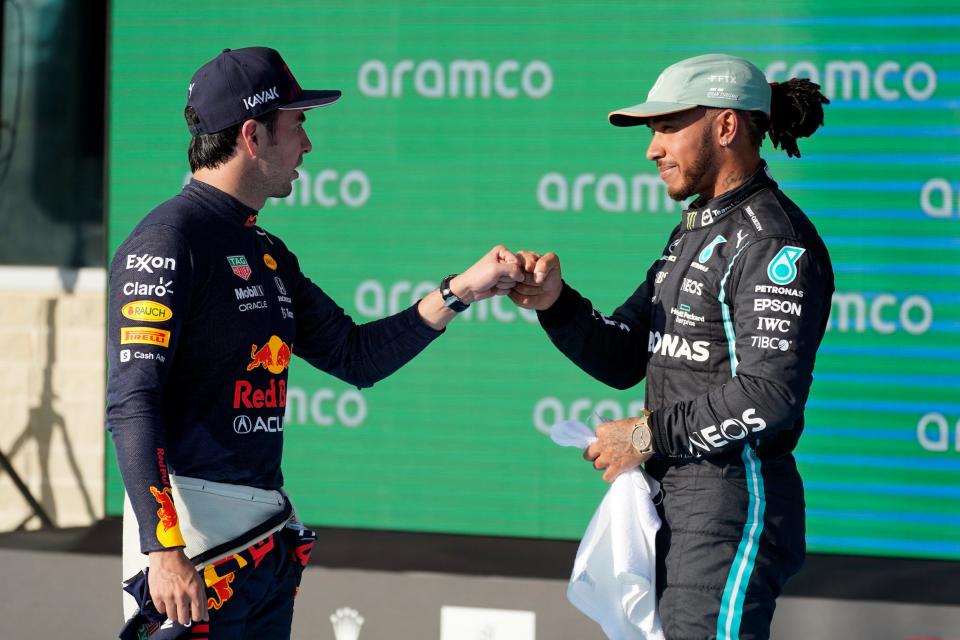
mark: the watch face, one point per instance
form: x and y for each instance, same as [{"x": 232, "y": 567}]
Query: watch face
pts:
[{"x": 641, "y": 438}]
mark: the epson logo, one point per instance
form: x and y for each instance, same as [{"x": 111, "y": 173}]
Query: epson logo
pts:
[
  {"x": 777, "y": 306},
  {"x": 456, "y": 79},
  {"x": 609, "y": 192},
  {"x": 840, "y": 77},
  {"x": 731, "y": 429},
  {"x": 260, "y": 98},
  {"x": 676, "y": 347}
]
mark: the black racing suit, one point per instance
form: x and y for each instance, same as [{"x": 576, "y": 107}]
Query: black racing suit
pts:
[
  {"x": 725, "y": 328},
  {"x": 205, "y": 312}
]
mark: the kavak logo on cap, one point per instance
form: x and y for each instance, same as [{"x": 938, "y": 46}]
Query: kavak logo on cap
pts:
[{"x": 240, "y": 84}]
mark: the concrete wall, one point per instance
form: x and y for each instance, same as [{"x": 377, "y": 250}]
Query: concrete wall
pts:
[{"x": 52, "y": 368}]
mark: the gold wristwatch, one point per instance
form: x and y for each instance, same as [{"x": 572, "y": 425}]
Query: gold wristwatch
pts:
[{"x": 642, "y": 437}]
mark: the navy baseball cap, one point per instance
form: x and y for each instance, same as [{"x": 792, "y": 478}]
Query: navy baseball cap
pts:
[{"x": 240, "y": 84}]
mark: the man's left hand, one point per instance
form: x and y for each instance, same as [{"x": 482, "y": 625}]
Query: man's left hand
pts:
[{"x": 613, "y": 452}]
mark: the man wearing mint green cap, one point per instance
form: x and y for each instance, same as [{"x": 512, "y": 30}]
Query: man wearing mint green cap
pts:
[{"x": 725, "y": 328}]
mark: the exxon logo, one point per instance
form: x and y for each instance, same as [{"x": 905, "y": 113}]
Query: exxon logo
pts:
[{"x": 260, "y": 98}]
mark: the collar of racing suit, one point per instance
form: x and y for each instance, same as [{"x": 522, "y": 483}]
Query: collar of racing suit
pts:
[
  {"x": 220, "y": 203},
  {"x": 701, "y": 214}
]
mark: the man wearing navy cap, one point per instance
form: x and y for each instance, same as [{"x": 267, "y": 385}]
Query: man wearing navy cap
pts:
[{"x": 206, "y": 311}]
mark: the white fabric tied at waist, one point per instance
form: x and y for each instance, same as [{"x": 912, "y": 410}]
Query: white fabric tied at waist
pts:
[
  {"x": 216, "y": 520},
  {"x": 614, "y": 574}
]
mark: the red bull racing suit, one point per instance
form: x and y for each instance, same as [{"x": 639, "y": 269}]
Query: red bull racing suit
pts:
[
  {"x": 724, "y": 328},
  {"x": 206, "y": 311}
]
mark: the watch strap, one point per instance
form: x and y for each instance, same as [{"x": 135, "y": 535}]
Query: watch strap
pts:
[{"x": 450, "y": 299}]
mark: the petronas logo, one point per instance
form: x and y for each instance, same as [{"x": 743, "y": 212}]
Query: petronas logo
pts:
[{"x": 783, "y": 268}]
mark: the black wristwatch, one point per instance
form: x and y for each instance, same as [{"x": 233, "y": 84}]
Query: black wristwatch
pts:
[{"x": 450, "y": 299}]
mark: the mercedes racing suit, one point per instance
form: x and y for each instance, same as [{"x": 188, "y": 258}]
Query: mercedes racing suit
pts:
[
  {"x": 206, "y": 311},
  {"x": 725, "y": 328}
]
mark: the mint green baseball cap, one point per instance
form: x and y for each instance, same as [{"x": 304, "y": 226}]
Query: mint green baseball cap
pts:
[{"x": 713, "y": 80}]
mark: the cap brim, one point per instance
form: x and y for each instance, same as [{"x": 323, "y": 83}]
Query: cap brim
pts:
[
  {"x": 639, "y": 113},
  {"x": 313, "y": 98}
]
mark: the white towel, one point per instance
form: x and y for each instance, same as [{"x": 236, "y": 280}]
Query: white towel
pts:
[{"x": 614, "y": 574}]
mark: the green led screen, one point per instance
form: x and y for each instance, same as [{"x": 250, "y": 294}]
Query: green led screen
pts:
[{"x": 468, "y": 124}]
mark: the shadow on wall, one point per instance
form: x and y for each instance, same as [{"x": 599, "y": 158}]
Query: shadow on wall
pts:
[{"x": 43, "y": 420}]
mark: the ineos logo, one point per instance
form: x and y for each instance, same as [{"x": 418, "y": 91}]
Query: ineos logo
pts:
[{"x": 242, "y": 424}]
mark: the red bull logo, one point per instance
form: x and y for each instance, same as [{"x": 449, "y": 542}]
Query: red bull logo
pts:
[
  {"x": 218, "y": 586},
  {"x": 274, "y": 356},
  {"x": 168, "y": 529}
]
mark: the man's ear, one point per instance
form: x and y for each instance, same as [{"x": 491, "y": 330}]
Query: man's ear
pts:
[
  {"x": 249, "y": 138},
  {"x": 726, "y": 126}
]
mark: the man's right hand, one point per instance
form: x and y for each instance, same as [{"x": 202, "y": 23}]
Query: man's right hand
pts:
[
  {"x": 542, "y": 283},
  {"x": 176, "y": 587}
]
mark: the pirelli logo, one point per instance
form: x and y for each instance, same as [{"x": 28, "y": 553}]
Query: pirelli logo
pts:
[{"x": 145, "y": 335}]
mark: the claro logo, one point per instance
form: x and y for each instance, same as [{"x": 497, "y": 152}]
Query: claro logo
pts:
[
  {"x": 854, "y": 79},
  {"x": 608, "y": 192},
  {"x": 508, "y": 79}
]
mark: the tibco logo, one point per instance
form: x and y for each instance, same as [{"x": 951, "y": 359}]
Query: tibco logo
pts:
[
  {"x": 919, "y": 80},
  {"x": 610, "y": 192},
  {"x": 456, "y": 79}
]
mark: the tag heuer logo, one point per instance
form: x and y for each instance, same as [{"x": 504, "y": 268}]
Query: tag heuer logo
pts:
[{"x": 239, "y": 266}]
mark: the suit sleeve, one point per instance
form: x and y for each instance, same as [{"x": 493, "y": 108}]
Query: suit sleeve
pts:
[
  {"x": 149, "y": 300},
  {"x": 360, "y": 354},
  {"x": 774, "y": 305},
  {"x": 611, "y": 349}
]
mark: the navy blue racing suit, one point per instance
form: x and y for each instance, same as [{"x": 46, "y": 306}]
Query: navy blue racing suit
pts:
[
  {"x": 725, "y": 328},
  {"x": 206, "y": 310}
]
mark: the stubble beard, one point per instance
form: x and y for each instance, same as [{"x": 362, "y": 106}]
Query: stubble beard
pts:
[{"x": 701, "y": 173}]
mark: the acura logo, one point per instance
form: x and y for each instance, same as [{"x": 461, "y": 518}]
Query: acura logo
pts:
[{"x": 242, "y": 424}]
